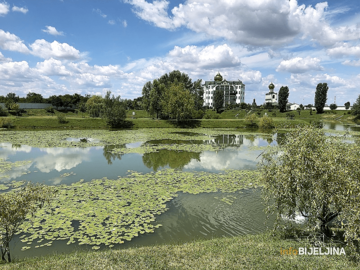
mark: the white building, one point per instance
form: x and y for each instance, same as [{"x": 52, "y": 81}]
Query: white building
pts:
[
  {"x": 292, "y": 106},
  {"x": 234, "y": 91},
  {"x": 271, "y": 97}
]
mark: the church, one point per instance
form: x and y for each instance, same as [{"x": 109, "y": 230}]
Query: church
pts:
[
  {"x": 271, "y": 97},
  {"x": 234, "y": 91}
]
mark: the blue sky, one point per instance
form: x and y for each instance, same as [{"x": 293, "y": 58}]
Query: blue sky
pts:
[{"x": 92, "y": 46}]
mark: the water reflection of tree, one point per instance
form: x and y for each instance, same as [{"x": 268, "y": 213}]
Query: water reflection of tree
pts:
[
  {"x": 175, "y": 159},
  {"x": 110, "y": 155},
  {"x": 227, "y": 140},
  {"x": 280, "y": 138},
  {"x": 169, "y": 141}
]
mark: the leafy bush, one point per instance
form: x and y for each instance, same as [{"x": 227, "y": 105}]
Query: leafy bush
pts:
[
  {"x": 62, "y": 118},
  {"x": 50, "y": 109},
  {"x": 290, "y": 116},
  {"x": 114, "y": 111},
  {"x": 250, "y": 120},
  {"x": 266, "y": 122},
  {"x": 274, "y": 114},
  {"x": 198, "y": 114},
  {"x": 207, "y": 116},
  {"x": 333, "y": 106},
  {"x": 6, "y": 123},
  {"x": 216, "y": 116},
  {"x": 3, "y": 111}
]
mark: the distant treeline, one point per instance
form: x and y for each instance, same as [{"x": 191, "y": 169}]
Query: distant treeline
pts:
[{"x": 67, "y": 100}]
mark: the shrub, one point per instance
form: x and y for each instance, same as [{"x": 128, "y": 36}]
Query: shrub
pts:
[
  {"x": 250, "y": 120},
  {"x": 274, "y": 114},
  {"x": 50, "y": 109},
  {"x": 6, "y": 123},
  {"x": 3, "y": 112},
  {"x": 198, "y": 114},
  {"x": 216, "y": 116},
  {"x": 207, "y": 116},
  {"x": 62, "y": 118},
  {"x": 266, "y": 122},
  {"x": 290, "y": 116}
]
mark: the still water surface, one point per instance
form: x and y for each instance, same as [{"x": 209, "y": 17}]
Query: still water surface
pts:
[{"x": 189, "y": 217}]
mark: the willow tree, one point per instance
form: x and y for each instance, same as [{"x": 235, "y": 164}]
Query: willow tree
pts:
[
  {"x": 316, "y": 176},
  {"x": 15, "y": 207}
]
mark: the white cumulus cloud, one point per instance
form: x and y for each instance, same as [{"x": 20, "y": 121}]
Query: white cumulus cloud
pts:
[
  {"x": 205, "y": 58},
  {"x": 344, "y": 49},
  {"x": 20, "y": 9},
  {"x": 46, "y": 50},
  {"x": 11, "y": 42},
  {"x": 4, "y": 8},
  {"x": 52, "y": 31},
  {"x": 52, "y": 67},
  {"x": 255, "y": 23},
  {"x": 299, "y": 65}
]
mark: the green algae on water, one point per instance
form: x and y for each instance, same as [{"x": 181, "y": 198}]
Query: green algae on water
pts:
[{"x": 108, "y": 212}]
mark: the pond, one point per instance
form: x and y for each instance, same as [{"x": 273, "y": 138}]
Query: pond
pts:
[{"x": 175, "y": 186}]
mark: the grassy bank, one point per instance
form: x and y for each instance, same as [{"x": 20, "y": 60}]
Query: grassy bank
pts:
[
  {"x": 39, "y": 119},
  {"x": 245, "y": 252}
]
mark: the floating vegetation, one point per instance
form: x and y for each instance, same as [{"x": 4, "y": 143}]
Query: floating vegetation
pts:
[
  {"x": 6, "y": 166},
  {"x": 108, "y": 212},
  {"x": 67, "y": 174},
  {"x": 4, "y": 187},
  {"x": 58, "y": 138},
  {"x": 229, "y": 199},
  {"x": 149, "y": 148}
]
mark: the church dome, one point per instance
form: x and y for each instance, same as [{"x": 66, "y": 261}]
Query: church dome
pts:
[
  {"x": 218, "y": 77},
  {"x": 271, "y": 86}
]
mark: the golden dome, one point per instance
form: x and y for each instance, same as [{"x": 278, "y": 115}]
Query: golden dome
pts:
[{"x": 218, "y": 77}]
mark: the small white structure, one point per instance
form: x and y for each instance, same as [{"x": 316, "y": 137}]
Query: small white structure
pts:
[
  {"x": 271, "y": 97},
  {"x": 292, "y": 106}
]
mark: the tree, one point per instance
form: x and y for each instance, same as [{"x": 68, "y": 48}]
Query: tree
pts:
[
  {"x": 146, "y": 96},
  {"x": 300, "y": 177},
  {"x": 347, "y": 105},
  {"x": 14, "y": 208},
  {"x": 283, "y": 98},
  {"x": 301, "y": 107},
  {"x": 156, "y": 96},
  {"x": 321, "y": 97},
  {"x": 56, "y": 101},
  {"x": 12, "y": 97},
  {"x": 176, "y": 76},
  {"x": 333, "y": 106},
  {"x": 355, "y": 110},
  {"x": 67, "y": 100},
  {"x": 114, "y": 110},
  {"x": 218, "y": 100},
  {"x": 178, "y": 102},
  {"x": 34, "y": 98},
  {"x": 94, "y": 106},
  {"x": 15, "y": 107},
  {"x": 253, "y": 105}
]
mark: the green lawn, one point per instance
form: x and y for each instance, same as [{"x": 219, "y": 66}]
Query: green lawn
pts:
[
  {"x": 40, "y": 119},
  {"x": 260, "y": 251}
]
